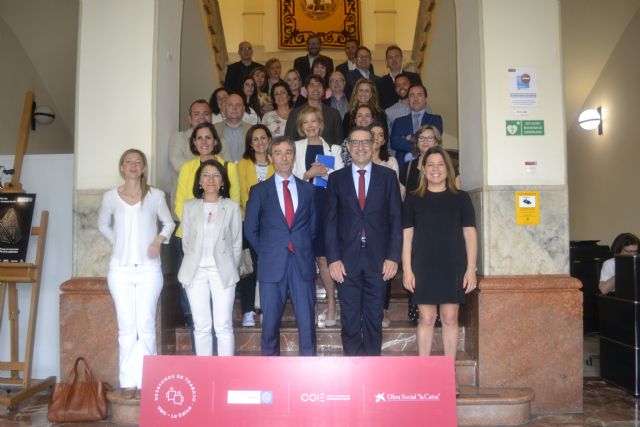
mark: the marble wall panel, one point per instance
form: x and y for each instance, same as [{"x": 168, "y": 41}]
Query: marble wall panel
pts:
[
  {"x": 510, "y": 249},
  {"x": 91, "y": 251}
]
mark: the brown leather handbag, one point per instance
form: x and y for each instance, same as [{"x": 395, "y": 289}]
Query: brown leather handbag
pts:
[{"x": 79, "y": 400}]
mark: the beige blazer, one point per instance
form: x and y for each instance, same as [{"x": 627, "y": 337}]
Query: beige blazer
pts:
[
  {"x": 227, "y": 236},
  {"x": 299, "y": 167}
]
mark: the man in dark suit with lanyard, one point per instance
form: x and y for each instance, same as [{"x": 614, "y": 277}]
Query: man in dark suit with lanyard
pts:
[
  {"x": 280, "y": 224},
  {"x": 363, "y": 238}
]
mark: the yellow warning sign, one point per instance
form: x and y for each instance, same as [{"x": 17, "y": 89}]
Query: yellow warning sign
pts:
[{"x": 527, "y": 207}]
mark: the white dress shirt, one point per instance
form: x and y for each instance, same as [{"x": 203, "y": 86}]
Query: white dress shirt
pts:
[
  {"x": 293, "y": 189},
  {"x": 356, "y": 177}
]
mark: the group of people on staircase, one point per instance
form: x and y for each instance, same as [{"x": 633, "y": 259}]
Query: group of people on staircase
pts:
[{"x": 335, "y": 172}]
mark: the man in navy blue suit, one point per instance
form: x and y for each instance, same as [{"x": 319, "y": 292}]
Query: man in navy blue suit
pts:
[
  {"x": 363, "y": 70},
  {"x": 279, "y": 224},
  {"x": 405, "y": 127},
  {"x": 363, "y": 238}
]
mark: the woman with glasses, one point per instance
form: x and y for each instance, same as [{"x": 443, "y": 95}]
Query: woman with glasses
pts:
[
  {"x": 128, "y": 218},
  {"x": 623, "y": 244},
  {"x": 426, "y": 137},
  {"x": 308, "y": 167},
  {"x": 212, "y": 244}
]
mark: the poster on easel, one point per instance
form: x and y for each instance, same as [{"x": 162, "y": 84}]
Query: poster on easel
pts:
[{"x": 16, "y": 215}]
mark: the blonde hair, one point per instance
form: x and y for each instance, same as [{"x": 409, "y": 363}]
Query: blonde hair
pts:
[
  {"x": 302, "y": 115},
  {"x": 144, "y": 186},
  {"x": 373, "y": 101}
]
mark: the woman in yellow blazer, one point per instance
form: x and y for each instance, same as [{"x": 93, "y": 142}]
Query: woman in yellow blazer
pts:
[
  {"x": 205, "y": 143},
  {"x": 254, "y": 167}
]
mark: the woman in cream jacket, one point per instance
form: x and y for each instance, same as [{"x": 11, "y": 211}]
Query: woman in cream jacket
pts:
[
  {"x": 212, "y": 243},
  {"x": 310, "y": 124}
]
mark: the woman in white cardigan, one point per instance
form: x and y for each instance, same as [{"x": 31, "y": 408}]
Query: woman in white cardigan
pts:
[
  {"x": 306, "y": 167},
  {"x": 212, "y": 243},
  {"x": 128, "y": 218}
]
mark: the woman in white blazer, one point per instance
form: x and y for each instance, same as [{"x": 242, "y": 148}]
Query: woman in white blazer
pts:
[
  {"x": 212, "y": 243},
  {"x": 128, "y": 218},
  {"x": 306, "y": 167}
]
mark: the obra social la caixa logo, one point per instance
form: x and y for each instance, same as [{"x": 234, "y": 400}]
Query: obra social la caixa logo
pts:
[
  {"x": 175, "y": 396},
  {"x": 406, "y": 397}
]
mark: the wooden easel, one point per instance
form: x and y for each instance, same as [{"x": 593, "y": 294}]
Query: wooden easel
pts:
[{"x": 11, "y": 274}]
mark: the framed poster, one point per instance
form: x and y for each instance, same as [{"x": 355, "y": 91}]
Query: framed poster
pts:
[
  {"x": 334, "y": 21},
  {"x": 16, "y": 215}
]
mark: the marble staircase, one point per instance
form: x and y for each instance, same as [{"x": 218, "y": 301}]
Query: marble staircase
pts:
[{"x": 475, "y": 405}]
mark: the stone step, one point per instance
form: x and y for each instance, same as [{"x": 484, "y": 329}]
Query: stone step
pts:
[
  {"x": 398, "y": 309},
  {"x": 478, "y": 406},
  {"x": 400, "y": 336},
  {"x": 475, "y": 406}
]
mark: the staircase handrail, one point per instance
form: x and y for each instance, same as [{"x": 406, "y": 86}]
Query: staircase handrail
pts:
[
  {"x": 425, "y": 23},
  {"x": 212, "y": 22}
]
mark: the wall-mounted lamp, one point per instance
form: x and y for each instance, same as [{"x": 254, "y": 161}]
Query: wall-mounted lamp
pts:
[
  {"x": 41, "y": 114},
  {"x": 591, "y": 119}
]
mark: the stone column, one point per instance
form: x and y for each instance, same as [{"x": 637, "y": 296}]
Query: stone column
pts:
[
  {"x": 529, "y": 311},
  {"x": 253, "y": 25},
  {"x": 128, "y": 75},
  {"x": 385, "y": 19}
]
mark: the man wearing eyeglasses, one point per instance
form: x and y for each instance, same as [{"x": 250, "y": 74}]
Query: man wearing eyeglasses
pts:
[
  {"x": 363, "y": 238},
  {"x": 338, "y": 98},
  {"x": 237, "y": 71},
  {"x": 363, "y": 70},
  {"x": 405, "y": 127}
]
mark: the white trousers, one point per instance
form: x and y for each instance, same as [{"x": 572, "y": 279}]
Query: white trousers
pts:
[
  {"x": 135, "y": 292},
  {"x": 207, "y": 293}
]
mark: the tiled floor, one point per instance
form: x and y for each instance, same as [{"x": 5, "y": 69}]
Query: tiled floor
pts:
[{"x": 604, "y": 405}]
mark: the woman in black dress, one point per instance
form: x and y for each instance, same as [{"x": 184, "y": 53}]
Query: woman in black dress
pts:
[{"x": 439, "y": 250}]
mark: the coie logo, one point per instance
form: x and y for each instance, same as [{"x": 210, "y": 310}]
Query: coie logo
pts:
[
  {"x": 174, "y": 396},
  {"x": 312, "y": 397}
]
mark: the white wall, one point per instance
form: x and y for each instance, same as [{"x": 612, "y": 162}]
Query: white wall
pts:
[
  {"x": 51, "y": 178},
  {"x": 471, "y": 129},
  {"x": 17, "y": 76},
  {"x": 603, "y": 169},
  {"x": 167, "y": 99},
  {"x": 198, "y": 78},
  {"x": 115, "y": 87},
  {"x": 515, "y": 37}
]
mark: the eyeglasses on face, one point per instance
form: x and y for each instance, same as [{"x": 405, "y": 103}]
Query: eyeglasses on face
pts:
[
  {"x": 428, "y": 138},
  {"x": 360, "y": 142}
]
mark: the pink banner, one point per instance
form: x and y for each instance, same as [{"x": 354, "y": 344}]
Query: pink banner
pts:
[{"x": 298, "y": 391}]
